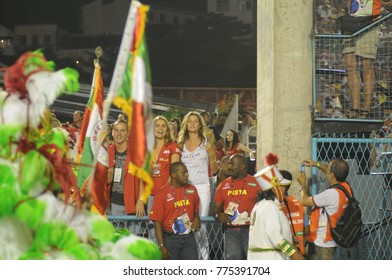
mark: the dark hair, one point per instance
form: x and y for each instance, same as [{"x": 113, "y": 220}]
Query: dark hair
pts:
[
  {"x": 225, "y": 158},
  {"x": 177, "y": 121},
  {"x": 204, "y": 113},
  {"x": 267, "y": 195},
  {"x": 109, "y": 134},
  {"x": 241, "y": 160},
  {"x": 286, "y": 175},
  {"x": 174, "y": 166},
  {"x": 236, "y": 139},
  {"x": 340, "y": 169}
]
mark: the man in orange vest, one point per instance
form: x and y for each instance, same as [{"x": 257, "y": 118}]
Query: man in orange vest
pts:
[
  {"x": 332, "y": 201},
  {"x": 294, "y": 211}
]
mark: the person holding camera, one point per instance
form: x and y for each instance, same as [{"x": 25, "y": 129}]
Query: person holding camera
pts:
[
  {"x": 175, "y": 211},
  {"x": 331, "y": 201},
  {"x": 234, "y": 200}
]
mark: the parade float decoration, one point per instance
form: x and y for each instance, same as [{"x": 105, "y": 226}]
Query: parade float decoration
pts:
[{"x": 42, "y": 214}]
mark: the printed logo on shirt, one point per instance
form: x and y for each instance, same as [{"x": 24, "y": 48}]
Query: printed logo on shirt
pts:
[
  {"x": 163, "y": 159},
  {"x": 181, "y": 202},
  {"x": 237, "y": 192},
  {"x": 191, "y": 155},
  {"x": 190, "y": 191},
  {"x": 226, "y": 186},
  {"x": 252, "y": 184},
  {"x": 166, "y": 151},
  {"x": 169, "y": 197},
  {"x": 294, "y": 214},
  {"x": 298, "y": 222}
]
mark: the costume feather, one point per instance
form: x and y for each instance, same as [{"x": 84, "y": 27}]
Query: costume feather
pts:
[
  {"x": 271, "y": 159},
  {"x": 34, "y": 222}
]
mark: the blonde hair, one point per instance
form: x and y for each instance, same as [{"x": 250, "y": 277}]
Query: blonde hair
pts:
[
  {"x": 184, "y": 133},
  {"x": 168, "y": 137}
]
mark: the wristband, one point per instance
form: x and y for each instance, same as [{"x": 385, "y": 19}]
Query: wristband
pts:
[
  {"x": 161, "y": 245},
  {"x": 286, "y": 247},
  {"x": 318, "y": 164}
]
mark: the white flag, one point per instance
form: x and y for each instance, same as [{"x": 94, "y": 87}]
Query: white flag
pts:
[{"x": 232, "y": 119}]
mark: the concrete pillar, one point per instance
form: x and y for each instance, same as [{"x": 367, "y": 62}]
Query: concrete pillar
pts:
[{"x": 284, "y": 81}]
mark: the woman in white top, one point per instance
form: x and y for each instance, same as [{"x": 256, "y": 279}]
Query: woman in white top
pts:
[{"x": 199, "y": 157}]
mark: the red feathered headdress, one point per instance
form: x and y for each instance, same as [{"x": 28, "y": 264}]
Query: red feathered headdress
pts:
[{"x": 271, "y": 159}]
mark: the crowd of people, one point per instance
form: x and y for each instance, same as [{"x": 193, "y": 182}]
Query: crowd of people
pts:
[
  {"x": 197, "y": 175},
  {"x": 353, "y": 79}
]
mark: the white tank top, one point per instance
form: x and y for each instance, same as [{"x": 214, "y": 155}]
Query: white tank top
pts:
[{"x": 197, "y": 164}]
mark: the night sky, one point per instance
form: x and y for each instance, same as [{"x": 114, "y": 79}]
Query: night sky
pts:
[
  {"x": 65, "y": 13},
  {"x": 206, "y": 48}
]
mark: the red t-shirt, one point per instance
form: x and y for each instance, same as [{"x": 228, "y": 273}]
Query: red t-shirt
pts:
[
  {"x": 239, "y": 191},
  {"x": 170, "y": 203},
  {"x": 234, "y": 150},
  {"x": 163, "y": 164}
]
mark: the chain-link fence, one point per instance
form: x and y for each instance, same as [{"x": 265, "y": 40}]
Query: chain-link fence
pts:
[
  {"x": 354, "y": 85},
  {"x": 370, "y": 161},
  {"x": 370, "y": 176}
]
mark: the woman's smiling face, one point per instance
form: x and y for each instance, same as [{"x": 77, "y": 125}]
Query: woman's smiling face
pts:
[{"x": 160, "y": 129}]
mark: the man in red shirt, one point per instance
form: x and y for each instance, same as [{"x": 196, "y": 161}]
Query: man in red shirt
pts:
[
  {"x": 176, "y": 214},
  {"x": 234, "y": 200}
]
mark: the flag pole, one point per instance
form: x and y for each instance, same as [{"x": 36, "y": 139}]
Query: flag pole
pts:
[
  {"x": 88, "y": 195},
  {"x": 122, "y": 58}
]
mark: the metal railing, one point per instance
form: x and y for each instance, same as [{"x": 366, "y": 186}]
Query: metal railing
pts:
[
  {"x": 370, "y": 177},
  {"x": 331, "y": 93},
  {"x": 214, "y": 231}
]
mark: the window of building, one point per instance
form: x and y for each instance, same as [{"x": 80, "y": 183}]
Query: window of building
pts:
[
  {"x": 47, "y": 39},
  {"x": 241, "y": 5},
  {"x": 162, "y": 18},
  {"x": 248, "y": 5},
  {"x": 23, "y": 40},
  {"x": 244, "y": 5},
  {"x": 35, "y": 40},
  {"x": 222, "y": 5},
  {"x": 175, "y": 20}
]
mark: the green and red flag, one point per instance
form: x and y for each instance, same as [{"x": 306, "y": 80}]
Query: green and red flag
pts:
[
  {"x": 92, "y": 146},
  {"x": 131, "y": 91}
]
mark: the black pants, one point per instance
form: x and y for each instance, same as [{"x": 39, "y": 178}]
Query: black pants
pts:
[{"x": 181, "y": 247}]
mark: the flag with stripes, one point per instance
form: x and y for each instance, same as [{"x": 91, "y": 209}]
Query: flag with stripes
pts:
[
  {"x": 131, "y": 91},
  {"x": 92, "y": 146}
]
